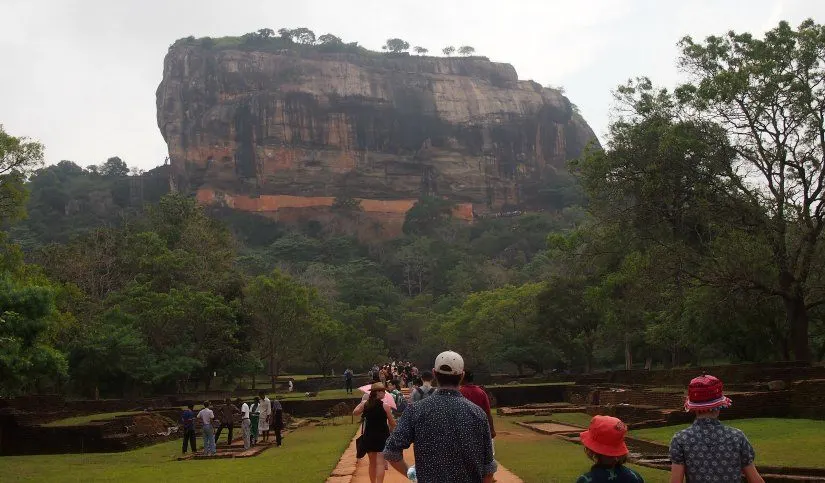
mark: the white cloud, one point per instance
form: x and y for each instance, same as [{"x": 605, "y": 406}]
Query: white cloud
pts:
[{"x": 81, "y": 75}]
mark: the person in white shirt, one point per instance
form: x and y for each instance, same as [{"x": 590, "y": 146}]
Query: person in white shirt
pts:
[
  {"x": 266, "y": 414},
  {"x": 245, "y": 425},
  {"x": 207, "y": 416},
  {"x": 291, "y": 386}
]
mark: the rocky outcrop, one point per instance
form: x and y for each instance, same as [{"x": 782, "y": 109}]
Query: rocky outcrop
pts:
[{"x": 288, "y": 132}]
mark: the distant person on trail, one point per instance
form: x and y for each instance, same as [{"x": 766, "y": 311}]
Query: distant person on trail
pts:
[
  {"x": 291, "y": 385},
  {"x": 207, "y": 417},
  {"x": 348, "y": 380},
  {"x": 188, "y": 421},
  {"x": 277, "y": 420},
  {"x": 227, "y": 413},
  {"x": 450, "y": 434},
  {"x": 709, "y": 451},
  {"x": 604, "y": 444},
  {"x": 266, "y": 414},
  {"x": 254, "y": 419},
  {"x": 397, "y": 396},
  {"x": 246, "y": 426},
  {"x": 425, "y": 389},
  {"x": 378, "y": 422},
  {"x": 478, "y": 395}
]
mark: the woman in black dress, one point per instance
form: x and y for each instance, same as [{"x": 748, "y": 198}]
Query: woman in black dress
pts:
[{"x": 378, "y": 422}]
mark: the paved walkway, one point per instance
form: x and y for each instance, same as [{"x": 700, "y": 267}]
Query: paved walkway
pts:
[{"x": 352, "y": 470}]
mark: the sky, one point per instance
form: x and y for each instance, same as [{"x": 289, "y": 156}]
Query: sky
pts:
[{"x": 80, "y": 75}]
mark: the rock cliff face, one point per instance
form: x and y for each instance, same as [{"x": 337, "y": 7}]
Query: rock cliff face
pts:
[{"x": 286, "y": 134}]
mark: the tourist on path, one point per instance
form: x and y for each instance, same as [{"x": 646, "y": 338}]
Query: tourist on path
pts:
[
  {"x": 378, "y": 422},
  {"x": 188, "y": 421},
  {"x": 604, "y": 444},
  {"x": 708, "y": 450},
  {"x": 246, "y": 426},
  {"x": 397, "y": 397},
  {"x": 207, "y": 416},
  {"x": 478, "y": 395},
  {"x": 227, "y": 413},
  {"x": 266, "y": 414},
  {"x": 277, "y": 420},
  {"x": 348, "y": 380},
  {"x": 254, "y": 418},
  {"x": 425, "y": 389},
  {"x": 451, "y": 434}
]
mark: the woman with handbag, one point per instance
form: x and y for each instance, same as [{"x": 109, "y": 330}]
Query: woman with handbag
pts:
[{"x": 376, "y": 424}]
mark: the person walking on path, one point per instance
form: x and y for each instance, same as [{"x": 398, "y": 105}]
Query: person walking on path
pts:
[
  {"x": 450, "y": 434},
  {"x": 266, "y": 413},
  {"x": 277, "y": 420},
  {"x": 378, "y": 422},
  {"x": 397, "y": 397},
  {"x": 425, "y": 389},
  {"x": 478, "y": 395},
  {"x": 709, "y": 451},
  {"x": 188, "y": 421},
  {"x": 246, "y": 426},
  {"x": 348, "y": 380},
  {"x": 227, "y": 413},
  {"x": 254, "y": 418},
  {"x": 207, "y": 417},
  {"x": 604, "y": 444}
]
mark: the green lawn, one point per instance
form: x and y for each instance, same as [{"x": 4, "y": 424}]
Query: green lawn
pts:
[
  {"x": 543, "y": 459},
  {"x": 308, "y": 455},
  {"x": 563, "y": 383},
  {"x": 778, "y": 442},
  {"x": 577, "y": 419},
  {"x": 328, "y": 394},
  {"x": 89, "y": 418}
]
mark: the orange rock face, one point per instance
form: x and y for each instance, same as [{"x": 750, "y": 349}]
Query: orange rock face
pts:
[{"x": 284, "y": 134}]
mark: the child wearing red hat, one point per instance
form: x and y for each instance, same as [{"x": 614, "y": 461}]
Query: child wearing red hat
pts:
[
  {"x": 604, "y": 444},
  {"x": 708, "y": 450}
]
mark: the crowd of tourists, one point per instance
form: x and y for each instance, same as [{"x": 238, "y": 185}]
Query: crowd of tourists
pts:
[
  {"x": 257, "y": 416},
  {"x": 451, "y": 429}
]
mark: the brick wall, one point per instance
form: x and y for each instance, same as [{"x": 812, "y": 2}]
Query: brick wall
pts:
[{"x": 808, "y": 399}]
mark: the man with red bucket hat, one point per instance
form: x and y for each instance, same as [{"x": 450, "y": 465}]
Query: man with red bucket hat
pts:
[
  {"x": 604, "y": 444},
  {"x": 709, "y": 451}
]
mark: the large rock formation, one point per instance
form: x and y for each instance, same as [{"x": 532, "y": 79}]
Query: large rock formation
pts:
[{"x": 287, "y": 133}]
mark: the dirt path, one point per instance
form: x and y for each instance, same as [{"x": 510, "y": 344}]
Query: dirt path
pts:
[{"x": 352, "y": 470}]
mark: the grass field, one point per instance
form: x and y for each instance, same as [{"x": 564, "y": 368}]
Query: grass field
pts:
[
  {"x": 308, "y": 455},
  {"x": 577, "y": 419},
  {"x": 538, "y": 458},
  {"x": 778, "y": 442},
  {"x": 328, "y": 394},
  {"x": 89, "y": 418}
]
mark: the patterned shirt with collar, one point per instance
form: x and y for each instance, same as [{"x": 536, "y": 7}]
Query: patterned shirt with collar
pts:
[
  {"x": 451, "y": 437},
  {"x": 711, "y": 451}
]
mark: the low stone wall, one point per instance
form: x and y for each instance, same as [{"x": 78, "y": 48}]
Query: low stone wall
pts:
[
  {"x": 730, "y": 374},
  {"x": 521, "y": 395},
  {"x": 315, "y": 384},
  {"x": 316, "y": 407},
  {"x": 807, "y": 399}
]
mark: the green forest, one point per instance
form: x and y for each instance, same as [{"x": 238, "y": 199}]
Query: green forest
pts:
[{"x": 694, "y": 235}]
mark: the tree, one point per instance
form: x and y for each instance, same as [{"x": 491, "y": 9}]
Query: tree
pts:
[
  {"x": 448, "y": 51},
  {"x": 769, "y": 97},
  {"x": 466, "y": 50},
  {"x": 114, "y": 167},
  {"x": 396, "y": 45},
  {"x": 285, "y": 34},
  {"x": 329, "y": 39},
  {"x": 266, "y": 33},
  {"x": 326, "y": 342},
  {"x": 303, "y": 35},
  {"x": 427, "y": 215},
  {"x": 279, "y": 309},
  {"x": 19, "y": 157},
  {"x": 420, "y": 50}
]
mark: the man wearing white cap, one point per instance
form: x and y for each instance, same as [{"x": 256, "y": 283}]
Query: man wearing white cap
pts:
[{"x": 450, "y": 433}]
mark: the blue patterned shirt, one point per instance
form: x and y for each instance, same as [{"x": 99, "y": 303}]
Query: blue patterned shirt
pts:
[
  {"x": 610, "y": 474},
  {"x": 451, "y": 437},
  {"x": 711, "y": 452}
]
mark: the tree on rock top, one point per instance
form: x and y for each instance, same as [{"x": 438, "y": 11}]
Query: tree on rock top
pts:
[
  {"x": 396, "y": 46},
  {"x": 329, "y": 39},
  {"x": 420, "y": 50},
  {"x": 448, "y": 51},
  {"x": 466, "y": 50}
]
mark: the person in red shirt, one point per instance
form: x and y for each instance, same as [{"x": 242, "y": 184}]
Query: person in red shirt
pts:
[{"x": 478, "y": 396}]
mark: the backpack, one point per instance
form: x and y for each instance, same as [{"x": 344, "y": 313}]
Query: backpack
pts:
[{"x": 422, "y": 394}]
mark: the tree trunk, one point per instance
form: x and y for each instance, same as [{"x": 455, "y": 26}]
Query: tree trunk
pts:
[
  {"x": 797, "y": 317},
  {"x": 628, "y": 354},
  {"x": 272, "y": 370},
  {"x": 253, "y": 380}
]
